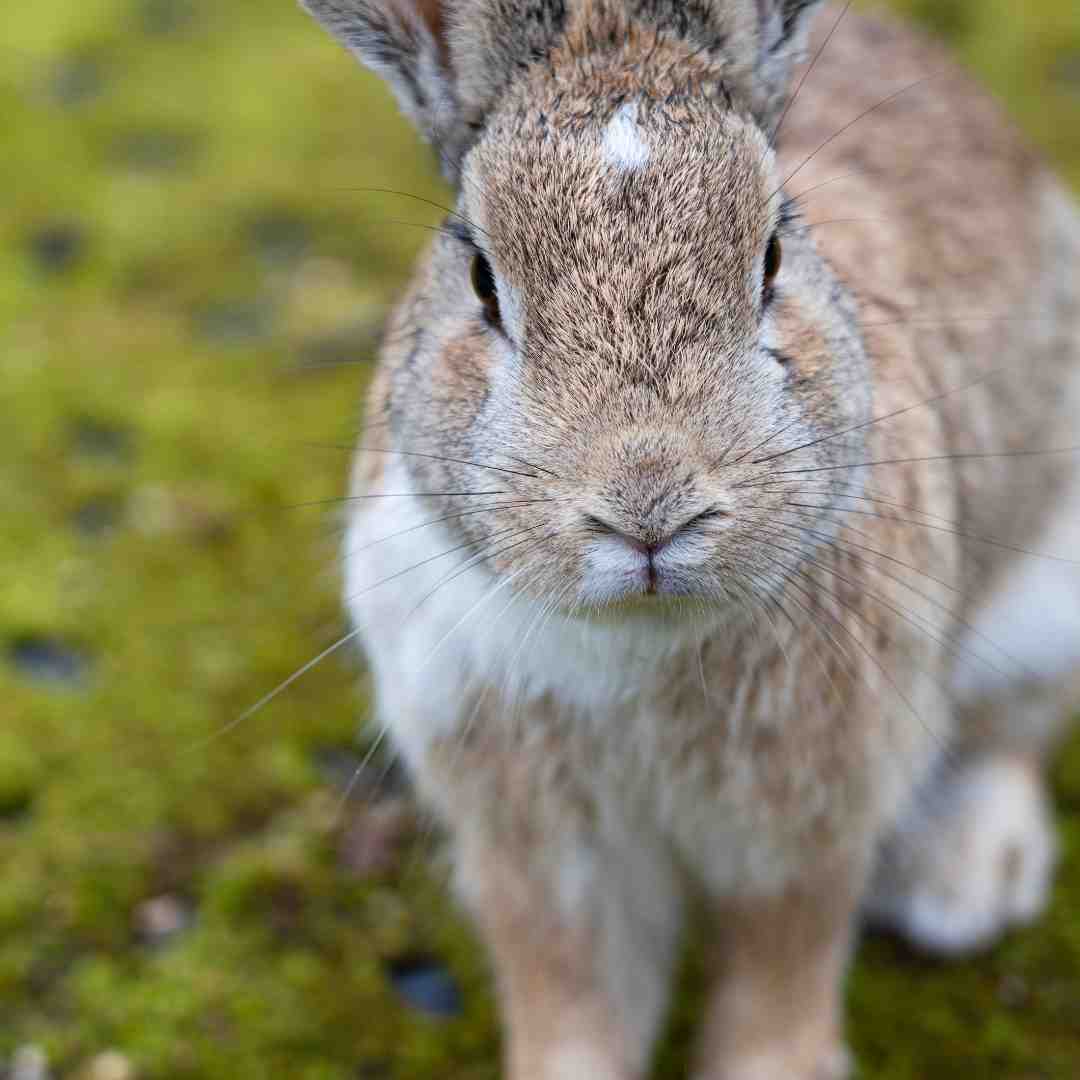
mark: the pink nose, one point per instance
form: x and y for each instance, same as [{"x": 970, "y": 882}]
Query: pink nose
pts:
[
  {"x": 647, "y": 544},
  {"x": 650, "y": 541}
]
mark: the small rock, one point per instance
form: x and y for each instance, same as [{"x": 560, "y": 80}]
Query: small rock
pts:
[
  {"x": 96, "y": 517},
  {"x": 49, "y": 661},
  {"x": 75, "y": 80},
  {"x": 111, "y": 1065},
  {"x": 426, "y": 985},
  {"x": 279, "y": 237},
  {"x": 29, "y": 1063},
  {"x": 161, "y": 918},
  {"x": 95, "y": 438},
  {"x": 373, "y": 840},
  {"x": 58, "y": 247}
]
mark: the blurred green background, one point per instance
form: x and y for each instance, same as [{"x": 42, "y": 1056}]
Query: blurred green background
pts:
[{"x": 192, "y": 279}]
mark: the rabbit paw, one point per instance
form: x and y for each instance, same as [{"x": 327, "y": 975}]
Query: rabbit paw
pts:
[
  {"x": 978, "y": 863},
  {"x": 835, "y": 1064}
]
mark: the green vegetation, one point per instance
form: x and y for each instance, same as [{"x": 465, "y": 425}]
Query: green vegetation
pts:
[{"x": 191, "y": 279}]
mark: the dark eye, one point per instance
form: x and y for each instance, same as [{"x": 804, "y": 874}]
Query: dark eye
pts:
[
  {"x": 483, "y": 283},
  {"x": 774, "y": 256}
]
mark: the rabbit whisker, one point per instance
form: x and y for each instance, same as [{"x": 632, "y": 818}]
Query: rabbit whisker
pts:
[
  {"x": 863, "y": 648},
  {"x": 1023, "y": 669},
  {"x": 794, "y": 200},
  {"x": 937, "y": 457},
  {"x": 416, "y": 198},
  {"x": 330, "y": 650},
  {"x": 847, "y": 127},
  {"x": 359, "y": 771},
  {"x": 441, "y": 520},
  {"x": 907, "y": 614},
  {"x": 871, "y": 496},
  {"x": 941, "y": 528},
  {"x": 775, "y": 435},
  {"x": 418, "y": 454},
  {"x": 530, "y": 465},
  {"x": 806, "y": 74},
  {"x": 480, "y": 557},
  {"x": 392, "y": 495},
  {"x": 300, "y": 672},
  {"x": 879, "y": 419},
  {"x": 795, "y": 229}
]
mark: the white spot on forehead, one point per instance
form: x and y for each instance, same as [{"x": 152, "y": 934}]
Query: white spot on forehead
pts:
[{"x": 625, "y": 147}]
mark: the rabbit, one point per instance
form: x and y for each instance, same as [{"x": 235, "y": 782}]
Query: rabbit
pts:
[{"x": 711, "y": 538}]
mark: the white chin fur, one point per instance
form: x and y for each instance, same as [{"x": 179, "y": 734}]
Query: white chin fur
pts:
[{"x": 453, "y": 627}]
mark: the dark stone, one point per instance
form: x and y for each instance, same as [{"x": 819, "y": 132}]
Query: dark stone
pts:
[
  {"x": 426, "y": 986},
  {"x": 48, "y": 661},
  {"x": 97, "y": 517},
  {"x": 279, "y": 238},
  {"x": 155, "y": 149},
  {"x": 233, "y": 322},
  {"x": 75, "y": 80},
  {"x": 15, "y": 804},
  {"x": 374, "y": 1070},
  {"x": 58, "y": 247},
  {"x": 164, "y": 17},
  {"x": 97, "y": 439}
]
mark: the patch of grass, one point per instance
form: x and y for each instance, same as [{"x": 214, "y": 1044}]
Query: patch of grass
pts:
[{"x": 191, "y": 279}]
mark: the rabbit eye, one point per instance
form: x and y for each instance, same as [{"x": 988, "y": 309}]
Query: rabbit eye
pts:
[
  {"x": 774, "y": 256},
  {"x": 483, "y": 283}
]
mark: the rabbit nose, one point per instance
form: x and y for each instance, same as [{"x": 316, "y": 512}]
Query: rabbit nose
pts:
[
  {"x": 637, "y": 542},
  {"x": 649, "y": 541}
]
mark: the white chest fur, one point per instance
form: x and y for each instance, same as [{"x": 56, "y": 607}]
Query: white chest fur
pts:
[
  {"x": 437, "y": 628},
  {"x": 435, "y": 621}
]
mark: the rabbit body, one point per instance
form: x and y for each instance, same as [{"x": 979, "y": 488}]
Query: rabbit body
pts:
[{"x": 682, "y": 576}]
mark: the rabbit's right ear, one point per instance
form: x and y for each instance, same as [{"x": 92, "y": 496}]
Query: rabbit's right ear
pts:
[{"x": 404, "y": 42}]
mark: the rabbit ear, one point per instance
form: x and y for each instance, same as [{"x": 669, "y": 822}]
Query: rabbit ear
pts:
[
  {"x": 403, "y": 41},
  {"x": 784, "y": 30}
]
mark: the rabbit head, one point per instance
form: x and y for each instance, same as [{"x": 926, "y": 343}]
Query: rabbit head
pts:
[{"x": 622, "y": 314}]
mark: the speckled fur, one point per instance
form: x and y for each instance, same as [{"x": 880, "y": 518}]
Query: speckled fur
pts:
[{"x": 764, "y": 729}]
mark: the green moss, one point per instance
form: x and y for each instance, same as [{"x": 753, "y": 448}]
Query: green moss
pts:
[{"x": 187, "y": 256}]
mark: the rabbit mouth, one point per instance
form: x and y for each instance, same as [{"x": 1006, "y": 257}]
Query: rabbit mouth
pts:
[{"x": 620, "y": 573}]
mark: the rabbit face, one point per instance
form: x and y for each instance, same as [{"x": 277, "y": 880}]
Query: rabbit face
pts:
[{"x": 623, "y": 317}]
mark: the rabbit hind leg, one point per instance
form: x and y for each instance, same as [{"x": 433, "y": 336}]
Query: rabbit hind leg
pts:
[{"x": 975, "y": 853}]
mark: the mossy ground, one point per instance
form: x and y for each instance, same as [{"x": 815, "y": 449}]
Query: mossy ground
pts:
[{"x": 190, "y": 282}]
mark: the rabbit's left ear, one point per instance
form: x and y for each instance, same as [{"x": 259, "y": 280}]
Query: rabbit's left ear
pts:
[
  {"x": 784, "y": 29},
  {"x": 404, "y": 42}
]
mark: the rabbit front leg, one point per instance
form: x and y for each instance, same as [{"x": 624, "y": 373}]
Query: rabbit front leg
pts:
[
  {"x": 581, "y": 911},
  {"x": 582, "y": 943},
  {"x": 774, "y": 1011}
]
